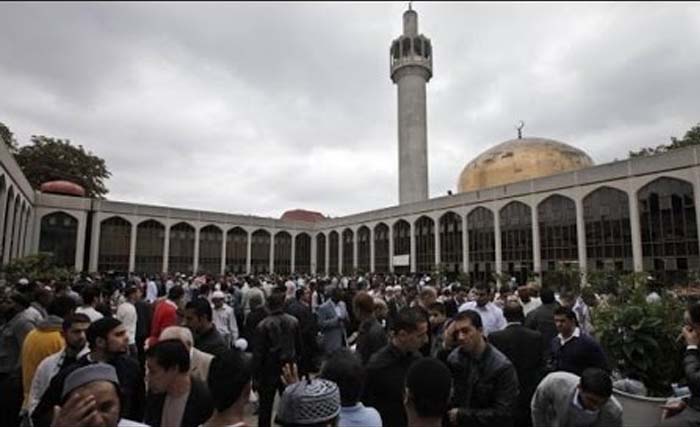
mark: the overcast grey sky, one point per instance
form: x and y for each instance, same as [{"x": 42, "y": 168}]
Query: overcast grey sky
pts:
[{"x": 256, "y": 108}]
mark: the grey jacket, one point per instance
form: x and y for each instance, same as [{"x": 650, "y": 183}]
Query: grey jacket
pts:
[
  {"x": 551, "y": 403},
  {"x": 12, "y": 335},
  {"x": 331, "y": 326}
]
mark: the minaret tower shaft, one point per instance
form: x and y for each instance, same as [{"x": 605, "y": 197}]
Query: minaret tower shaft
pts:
[{"x": 411, "y": 59}]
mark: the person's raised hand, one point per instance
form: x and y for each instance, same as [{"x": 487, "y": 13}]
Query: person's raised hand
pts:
[
  {"x": 290, "y": 374},
  {"x": 78, "y": 411}
]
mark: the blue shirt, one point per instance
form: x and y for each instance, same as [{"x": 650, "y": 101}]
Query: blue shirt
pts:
[{"x": 359, "y": 416}]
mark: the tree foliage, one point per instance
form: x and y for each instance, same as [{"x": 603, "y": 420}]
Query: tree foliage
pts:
[
  {"x": 691, "y": 137},
  {"x": 8, "y": 137},
  {"x": 48, "y": 159}
]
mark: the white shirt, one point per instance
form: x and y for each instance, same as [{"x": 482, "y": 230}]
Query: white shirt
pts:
[
  {"x": 576, "y": 334},
  {"x": 90, "y": 312},
  {"x": 530, "y": 305},
  {"x": 491, "y": 316},
  {"x": 225, "y": 321},
  {"x": 126, "y": 313},
  {"x": 151, "y": 291},
  {"x": 46, "y": 370}
]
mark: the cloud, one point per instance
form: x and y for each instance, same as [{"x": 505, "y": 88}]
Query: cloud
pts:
[{"x": 256, "y": 108}]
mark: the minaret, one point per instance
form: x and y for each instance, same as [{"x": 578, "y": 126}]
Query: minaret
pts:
[{"x": 411, "y": 60}]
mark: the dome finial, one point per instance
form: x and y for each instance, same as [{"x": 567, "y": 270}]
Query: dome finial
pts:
[
  {"x": 410, "y": 5},
  {"x": 519, "y": 127}
]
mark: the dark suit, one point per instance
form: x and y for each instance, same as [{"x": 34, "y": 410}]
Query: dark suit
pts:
[
  {"x": 523, "y": 347},
  {"x": 542, "y": 319},
  {"x": 198, "y": 408},
  {"x": 451, "y": 308}
]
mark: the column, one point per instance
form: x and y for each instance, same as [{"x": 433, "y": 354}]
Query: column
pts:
[
  {"x": 294, "y": 253},
  {"x": 536, "y": 252},
  {"x": 497, "y": 241},
  {"x": 314, "y": 254},
  {"x": 413, "y": 247},
  {"x": 272, "y": 251},
  {"x": 465, "y": 245},
  {"x": 223, "y": 250},
  {"x": 10, "y": 230},
  {"x": 581, "y": 238},
  {"x": 371, "y": 249},
  {"x": 438, "y": 254},
  {"x": 195, "y": 263},
  {"x": 80, "y": 241},
  {"x": 166, "y": 248},
  {"x": 94, "y": 241},
  {"x": 391, "y": 248},
  {"x": 132, "y": 246},
  {"x": 248, "y": 252},
  {"x": 635, "y": 230}
]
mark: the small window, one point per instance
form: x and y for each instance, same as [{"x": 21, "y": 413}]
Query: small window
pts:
[
  {"x": 395, "y": 52},
  {"x": 405, "y": 47},
  {"x": 417, "y": 46}
]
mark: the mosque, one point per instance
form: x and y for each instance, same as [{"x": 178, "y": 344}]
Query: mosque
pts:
[{"x": 524, "y": 207}]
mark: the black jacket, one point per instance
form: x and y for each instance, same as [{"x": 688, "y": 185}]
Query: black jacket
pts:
[
  {"x": 371, "y": 338},
  {"x": 542, "y": 319},
  {"x": 691, "y": 367},
  {"x": 198, "y": 408},
  {"x": 485, "y": 389},
  {"x": 384, "y": 388},
  {"x": 523, "y": 347},
  {"x": 309, "y": 330},
  {"x": 251, "y": 322},
  {"x": 577, "y": 355},
  {"x": 210, "y": 342},
  {"x": 277, "y": 342}
]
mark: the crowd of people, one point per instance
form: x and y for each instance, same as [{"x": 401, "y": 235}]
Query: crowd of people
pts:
[{"x": 366, "y": 350}]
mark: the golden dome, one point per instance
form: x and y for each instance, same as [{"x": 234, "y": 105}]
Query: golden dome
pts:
[{"x": 519, "y": 160}]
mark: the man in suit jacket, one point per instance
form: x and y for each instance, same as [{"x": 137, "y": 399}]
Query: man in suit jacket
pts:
[
  {"x": 175, "y": 398},
  {"x": 524, "y": 348},
  {"x": 199, "y": 360},
  {"x": 332, "y": 319}
]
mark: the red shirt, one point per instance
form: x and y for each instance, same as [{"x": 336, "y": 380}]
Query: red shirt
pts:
[{"x": 165, "y": 315}]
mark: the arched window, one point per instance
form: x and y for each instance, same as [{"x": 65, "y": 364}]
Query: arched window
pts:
[
  {"x": 115, "y": 244},
  {"x": 58, "y": 236},
  {"x": 150, "y": 241},
  {"x": 482, "y": 246},
  {"x": 283, "y": 253},
  {"x": 425, "y": 244},
  {"x": 333, "y": 252},
  {"x": 606, "y": 214},
  {"x": 321, "y": 253},
  {"x": 236, "y": 250},
  {"x": 302, "y": 253},
  {"x": 181, "y": 259},
  {"x": 668, "y": 229},
  {"x": 516, "y": 240},
  {"x": 381, "y": 248},
  {"x": 402, "y": 246},
  {"x": 558, "y": 239},
  {"x": 363, "y": 249},
  {"x": 451, "y": 242},
  {"x": 348, "y": 248},
  {"x": 260, "y": 252},
  {"x": 210, "y": 245}
]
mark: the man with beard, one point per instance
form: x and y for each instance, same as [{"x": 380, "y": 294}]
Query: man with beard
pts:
[
  {"x": 109, "y": 343},
  {"x": 490, "y": 313},
  {"x": 300, "y": 307},
  {"x": 73, "y": 332}
]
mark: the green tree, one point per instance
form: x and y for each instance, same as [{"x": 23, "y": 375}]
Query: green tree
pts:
[
  {"x": 48, "y": 159},
  {"x": 9, "y": 137},
  {"x": 691, "y": 137}
]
